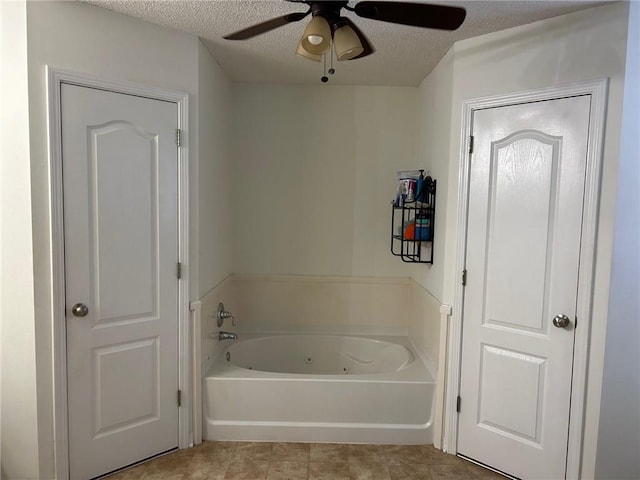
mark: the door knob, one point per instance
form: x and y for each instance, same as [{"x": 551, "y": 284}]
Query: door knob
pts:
[
  {"x": 561, "y": 321},
  {"x": 80, "y": 310}
]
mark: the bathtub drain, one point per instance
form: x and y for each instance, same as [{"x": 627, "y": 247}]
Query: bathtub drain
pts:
[
  {"x": 345, "y": 370},
  {"x": 308, "y": 359},
  {"x": 228, "y": 356}
]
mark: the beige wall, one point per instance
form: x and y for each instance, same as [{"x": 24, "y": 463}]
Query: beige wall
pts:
[
  {"x": 19, "y": 412},
  {"x": 619, "y": 427},
  {"x": 586, "y": 45},
  {"x": 315, "y": 169},
  {"x": 433, "y": 131},
  {"x": 213, "y": 171}
]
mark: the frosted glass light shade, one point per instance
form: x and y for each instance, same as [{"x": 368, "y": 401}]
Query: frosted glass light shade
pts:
[
  {"x": 300, "y": 51},
  {"x": 316, "y": 38},
  {"x": 346, "y": 43}
]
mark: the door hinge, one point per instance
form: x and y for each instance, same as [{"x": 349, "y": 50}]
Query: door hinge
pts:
[
  {"x": 464, "y": 277},
  {"x": 471, "y": 144},
  {"x": 458, "y": 400},
  {"x": 179, "y": 137},
  {"x": 179, "y": 398},
  {"x": 179, "y": 270}
]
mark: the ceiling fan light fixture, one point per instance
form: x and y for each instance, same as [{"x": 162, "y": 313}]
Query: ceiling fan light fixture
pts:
[
  {"x": 346, "y": 43},
  {"x": 316, "y": 38},
  {"x": 301, "y": 52}
]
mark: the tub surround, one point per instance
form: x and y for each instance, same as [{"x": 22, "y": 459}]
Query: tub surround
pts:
[
  {"x": 322, "y": 304},
  {"x": 428, "y": 326},
  {"x": 204, "y": 344},
  {"x": 396, "y": 306},
  {"x": 223, "y": 292},
  {"x": 424, "y": 321}
]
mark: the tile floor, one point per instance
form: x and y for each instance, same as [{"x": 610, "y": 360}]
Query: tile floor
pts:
[{"x": 306, "y": 461}]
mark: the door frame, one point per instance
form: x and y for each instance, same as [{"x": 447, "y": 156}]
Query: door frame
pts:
[
  {"x": 55, "y": 79},
  {"x": 598, "y": 90}
]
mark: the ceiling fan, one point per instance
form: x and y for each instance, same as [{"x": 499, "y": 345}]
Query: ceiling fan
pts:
[{"x": 328, "y": 25}]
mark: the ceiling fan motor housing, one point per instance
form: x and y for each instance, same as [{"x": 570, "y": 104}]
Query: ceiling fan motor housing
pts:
[{"x": 329, "y": 10}]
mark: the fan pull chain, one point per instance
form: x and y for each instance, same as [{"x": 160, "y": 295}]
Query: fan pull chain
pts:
[
  {"x": 331, "y": 69},
  {"x": 324, "y": 78}
]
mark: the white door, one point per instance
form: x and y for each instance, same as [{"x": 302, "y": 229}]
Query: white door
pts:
[
  {"x": 120, "y": 177},
  {"x": 527, "y": 175}
]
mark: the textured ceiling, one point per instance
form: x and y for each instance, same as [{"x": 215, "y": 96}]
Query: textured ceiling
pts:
[{"x": 404, "y": 55}]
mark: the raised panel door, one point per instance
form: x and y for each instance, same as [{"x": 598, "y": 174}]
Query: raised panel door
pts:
[
  {"x": 524, "y": 228},
  {"x": 121, "y": 232}
]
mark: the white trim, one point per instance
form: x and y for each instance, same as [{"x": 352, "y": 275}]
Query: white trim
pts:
[
  {"x": 55, "y": 78},
  {"x": 445, "y": 313},
  {"x": 587, "y": 275},
  {"x": 196, "y": 370},
  {"x": 597, "y": 89},
  {"x": 449, "y": 437},
  {"x": 61, "y": 420},
  {"x": 184, "y": 315}
]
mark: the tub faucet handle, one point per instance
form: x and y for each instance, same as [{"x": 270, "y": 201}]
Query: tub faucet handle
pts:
[
  {"x": 223, "y": 315},
  {"x": 227, "y": 336}
]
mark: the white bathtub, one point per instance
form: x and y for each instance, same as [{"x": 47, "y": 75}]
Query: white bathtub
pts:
[{"x": 319, "y": 388}]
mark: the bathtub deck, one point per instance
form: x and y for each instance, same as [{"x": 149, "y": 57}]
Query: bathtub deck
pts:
[{"x": 303, "y": 461}]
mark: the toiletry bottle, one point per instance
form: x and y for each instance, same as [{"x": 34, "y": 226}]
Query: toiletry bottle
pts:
[{"x": 420, "y": 197}]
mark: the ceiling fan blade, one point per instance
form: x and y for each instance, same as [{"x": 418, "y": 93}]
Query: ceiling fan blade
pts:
[
  {"x": 267, "y": 26},
  {"x": 423, "y": 15},
  {"x": 364, "y": 41}
]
